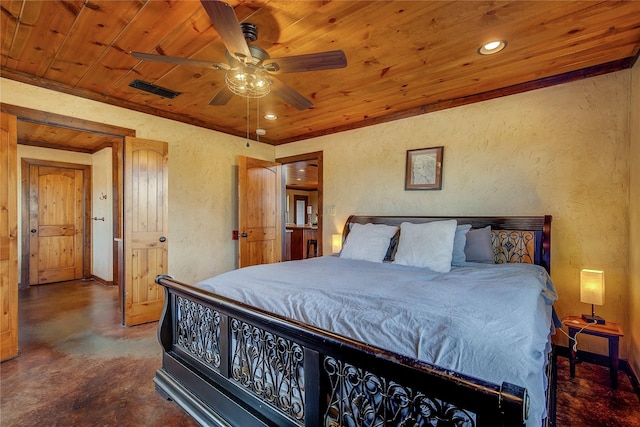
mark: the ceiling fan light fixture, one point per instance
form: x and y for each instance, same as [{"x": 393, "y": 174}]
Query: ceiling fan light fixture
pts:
[
  {"x": 492, "y": 47},
  {"x": 249, "y": 66},
  {"x": 248, "y": 81}
]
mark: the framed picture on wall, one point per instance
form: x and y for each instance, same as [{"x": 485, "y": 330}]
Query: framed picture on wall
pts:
[{"x": 424, "y": 169}]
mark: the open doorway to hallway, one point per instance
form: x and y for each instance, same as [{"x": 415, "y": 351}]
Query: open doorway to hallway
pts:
[
  {"x": 302, "y": 176},
  {"x": 55, "y": 217}
]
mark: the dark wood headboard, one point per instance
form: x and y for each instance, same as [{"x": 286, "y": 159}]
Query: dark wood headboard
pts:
[{"x": 515, "y": 238}]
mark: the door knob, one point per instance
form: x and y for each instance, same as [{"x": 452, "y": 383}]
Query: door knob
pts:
[
  {"x": 244, "y": 235},
  {"x": 33, "y": 230},
  {"x": 162, "y": 239}
]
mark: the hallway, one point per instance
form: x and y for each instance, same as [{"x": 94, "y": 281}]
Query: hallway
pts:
[{"x": 78, "y": 367}]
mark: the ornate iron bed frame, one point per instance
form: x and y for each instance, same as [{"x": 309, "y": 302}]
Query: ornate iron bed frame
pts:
[{"x": 230, "y": 364}]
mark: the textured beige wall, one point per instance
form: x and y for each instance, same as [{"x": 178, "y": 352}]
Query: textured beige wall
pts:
[
  {"x": 102, "y": 207},
  {"x": 562, "y": 150},
  {"x": 202, "y": 176},
  {"x": 634, "y": 250}
]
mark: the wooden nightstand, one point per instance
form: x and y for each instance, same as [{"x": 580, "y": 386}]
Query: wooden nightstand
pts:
[{"x": 610, "y": 330}]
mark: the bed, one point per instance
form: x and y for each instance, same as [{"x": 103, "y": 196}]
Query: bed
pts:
[{"x": 247, "y": 348}]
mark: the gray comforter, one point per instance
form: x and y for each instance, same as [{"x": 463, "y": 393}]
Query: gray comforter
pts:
[{"x": 488, "y": 321}]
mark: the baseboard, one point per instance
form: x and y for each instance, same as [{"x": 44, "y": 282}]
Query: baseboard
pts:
[
  {"x": 586, "y": 356},
  {"x": 102, "y": 281},
  {"x": 626, "y": 368},
  {"x": 602, "y": 360}
]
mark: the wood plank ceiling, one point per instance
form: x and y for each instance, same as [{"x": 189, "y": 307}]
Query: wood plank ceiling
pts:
[
  {"x": 62, "y": 138},
  {"x": 302, "y": 175},
  {"x": 404, "y": 57}
]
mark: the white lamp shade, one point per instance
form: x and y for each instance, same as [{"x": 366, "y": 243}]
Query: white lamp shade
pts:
[
  {"x": 309, "y": 209},
  {"x": 336, "y": 243},
  {"x": 592, "y": 287}
]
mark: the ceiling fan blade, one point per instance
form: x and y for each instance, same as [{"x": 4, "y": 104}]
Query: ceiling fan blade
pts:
[
  {"x": 224, "y": 20},
  {"x": 222, "y": 97},
  {"x": 309, "y": 62},
  {"x": 179, "y": 61},
  {"x": 290, "y": 95}
]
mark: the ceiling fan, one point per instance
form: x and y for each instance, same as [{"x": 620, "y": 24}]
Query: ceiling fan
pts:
[{"x": 250, "y": 70}]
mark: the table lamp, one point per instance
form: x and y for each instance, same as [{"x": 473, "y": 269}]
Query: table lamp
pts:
[
  {"x": 336, "y": 243},
  {"x": 592, "y": 292}
]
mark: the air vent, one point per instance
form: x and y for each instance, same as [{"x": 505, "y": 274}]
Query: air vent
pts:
[{"x": 156, "y": 90}]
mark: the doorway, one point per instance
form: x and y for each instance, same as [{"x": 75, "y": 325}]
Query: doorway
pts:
[
  {"x": 56, "y": 233},
  {"x": 300, "y": 205},
  {"x": 302, "y": 174},
  {"x": 81, "y": 136}
]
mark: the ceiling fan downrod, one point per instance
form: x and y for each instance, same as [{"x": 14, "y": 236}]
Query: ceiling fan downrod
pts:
[{"x": 250, "y": 31}]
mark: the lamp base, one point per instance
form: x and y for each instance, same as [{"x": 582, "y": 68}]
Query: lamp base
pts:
[{"x": 589, "y": 318}]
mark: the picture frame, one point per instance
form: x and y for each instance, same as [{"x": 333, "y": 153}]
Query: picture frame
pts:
[{"x": 424, "y": 169}]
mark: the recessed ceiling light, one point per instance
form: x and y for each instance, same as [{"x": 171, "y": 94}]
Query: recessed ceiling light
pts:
[
  {"x": 270, "y": 116},
  {"x": 492, "y": 47}
]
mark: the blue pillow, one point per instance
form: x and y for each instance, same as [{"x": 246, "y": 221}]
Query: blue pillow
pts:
[
  {"x": 479, "y": 247},
  {"x": 459, "y": 242}
]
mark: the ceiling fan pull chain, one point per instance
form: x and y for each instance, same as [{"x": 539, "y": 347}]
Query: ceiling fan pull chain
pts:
[
  {"x": 248, "y": 145},
  {"x": 258, "y": 120}
]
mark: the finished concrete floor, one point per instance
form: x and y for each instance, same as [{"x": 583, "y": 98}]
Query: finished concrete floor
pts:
[{"x": 78, "y": 367}]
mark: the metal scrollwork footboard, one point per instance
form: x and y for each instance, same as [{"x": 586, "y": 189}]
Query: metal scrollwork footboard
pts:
[
  {"x": 198, "y": 331},
  {"x": 270, "y": 366},
  {"x": 359, "y": 398},
  {"x": 228, "y": 364}
]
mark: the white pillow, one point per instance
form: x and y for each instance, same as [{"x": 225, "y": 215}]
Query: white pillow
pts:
[
  {"x": 368, "y": 242},
  {"x": 427, "y": 245}
]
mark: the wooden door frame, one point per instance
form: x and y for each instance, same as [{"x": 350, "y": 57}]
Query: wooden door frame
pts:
[
  {"x": 26, "y": 202},
  {"x": 316, "y": 155},
  {"x": 53, "y": 119},
  {"x": 9, "y": 237}
]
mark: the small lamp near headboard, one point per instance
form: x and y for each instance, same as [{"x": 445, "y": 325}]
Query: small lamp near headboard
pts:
[
  {"x": 336, "y": 243},
  {"x": 592, "y": 292}
]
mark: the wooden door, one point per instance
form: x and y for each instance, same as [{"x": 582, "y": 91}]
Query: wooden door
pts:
[
  {"x": 145, "y": 228},
  {"x": 56, "y": 223},
  {"x": 8, "y": 237},
  {"x": 260, "y": 211}
]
